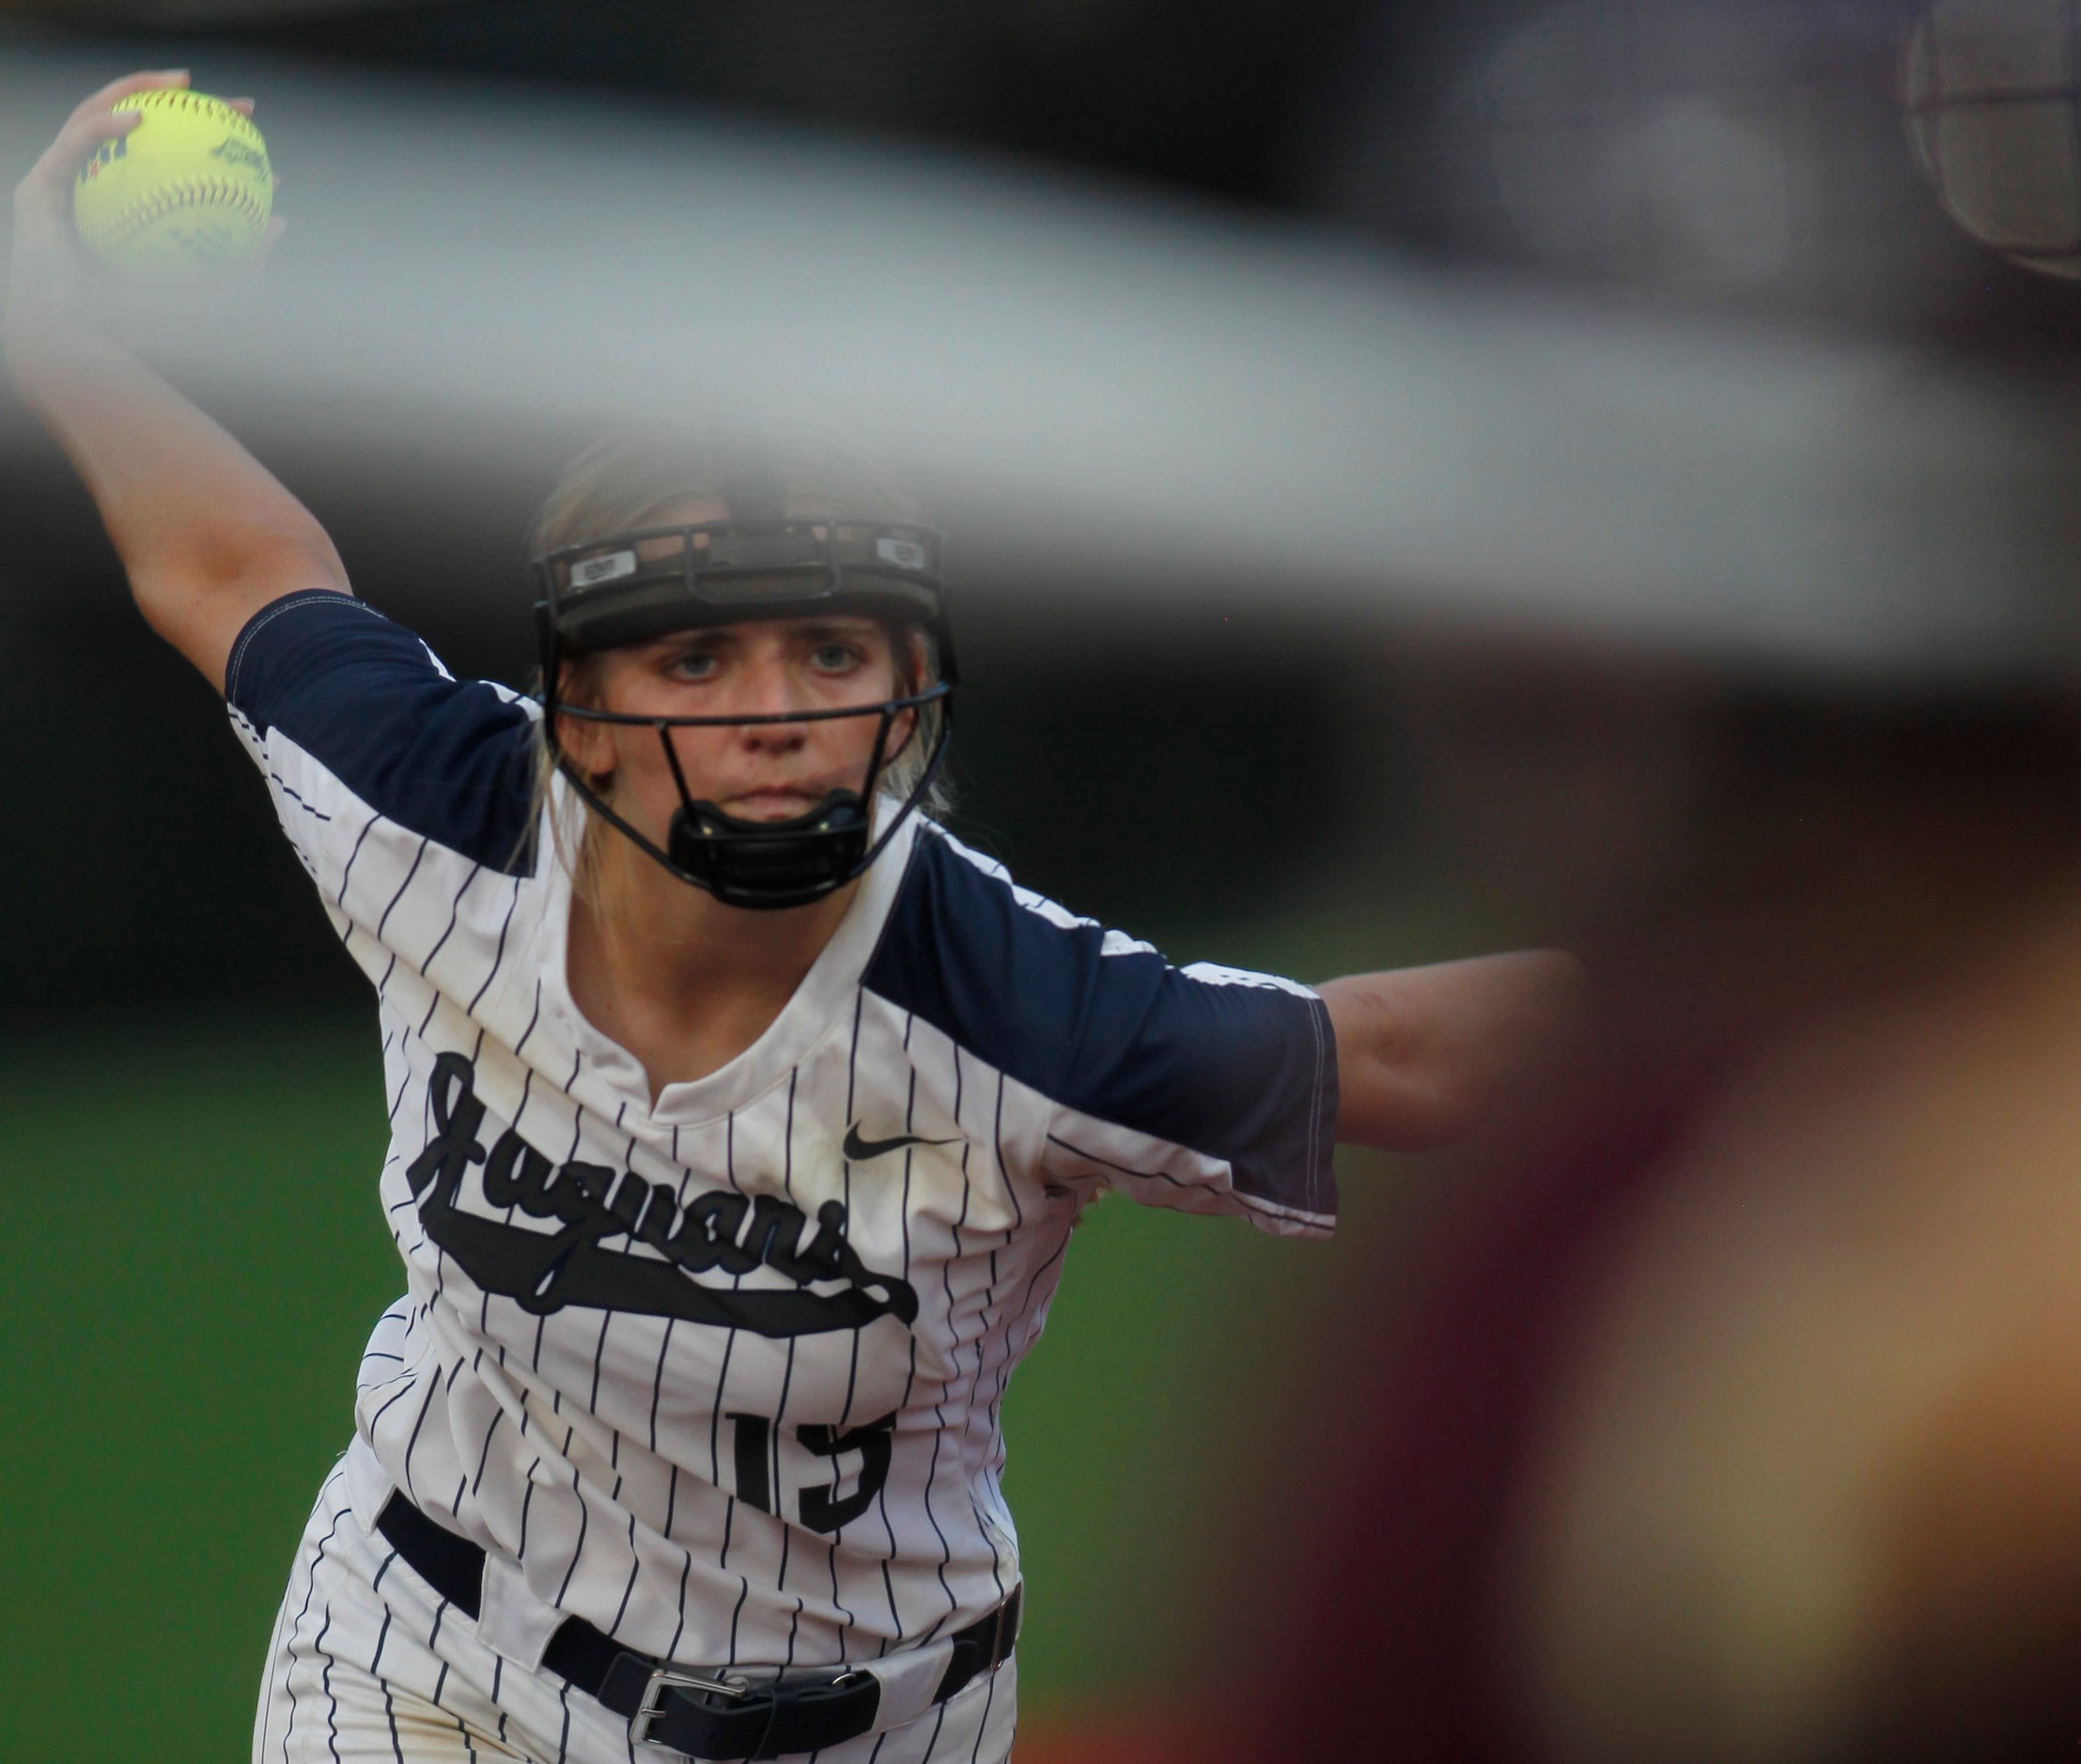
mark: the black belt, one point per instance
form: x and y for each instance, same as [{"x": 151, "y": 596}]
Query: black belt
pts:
[{"x": 723, "y": 1716}]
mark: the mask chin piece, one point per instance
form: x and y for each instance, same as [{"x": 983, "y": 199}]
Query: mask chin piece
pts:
[{"x": 771, "y": 864}]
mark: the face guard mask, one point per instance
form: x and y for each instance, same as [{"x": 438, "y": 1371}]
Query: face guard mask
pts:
[{"x": 636, "y": 587}]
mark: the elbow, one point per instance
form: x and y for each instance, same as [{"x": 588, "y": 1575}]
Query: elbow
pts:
[
  {"x": 217, "y": 577},
  {"x": 1411, "y": 1112},
  {"x": 1424, "y": 1073},
  {"x": 262, "y": 563},
  {"x": 1393, "y": 1098},
  {"x": 1538, "y": 1024}
]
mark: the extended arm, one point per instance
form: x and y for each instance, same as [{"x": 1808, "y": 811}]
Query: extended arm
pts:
[
  {"x": 1423, "y": 1053},
  {"x": 206, "y": 534}
]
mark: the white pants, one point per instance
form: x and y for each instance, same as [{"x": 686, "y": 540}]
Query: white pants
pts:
[{"x": 369, "y": 1666}]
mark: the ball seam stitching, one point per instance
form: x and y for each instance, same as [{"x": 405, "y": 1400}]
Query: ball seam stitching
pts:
[{"x": 190, "y": 192}]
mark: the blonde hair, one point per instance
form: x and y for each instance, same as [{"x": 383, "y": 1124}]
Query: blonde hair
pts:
[{"x": 633, "y": 478}]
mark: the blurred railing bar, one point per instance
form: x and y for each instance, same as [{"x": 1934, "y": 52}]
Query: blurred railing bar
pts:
[{"x": 1106, "y": 376}]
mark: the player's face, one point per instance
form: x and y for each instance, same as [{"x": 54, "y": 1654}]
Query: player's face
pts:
[{"x": 756, "y": 771}]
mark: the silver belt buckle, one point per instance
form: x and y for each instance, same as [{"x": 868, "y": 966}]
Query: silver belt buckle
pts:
[{"x": 649, "y": 1711}]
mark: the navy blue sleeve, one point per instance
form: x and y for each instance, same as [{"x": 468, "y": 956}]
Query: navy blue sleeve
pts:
[
  {"x": 363, "y": 697},
  {"x": 1235, "y": 1067}
]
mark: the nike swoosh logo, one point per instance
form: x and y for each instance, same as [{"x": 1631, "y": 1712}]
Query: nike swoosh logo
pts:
[{"x": 859, "y": 1151}]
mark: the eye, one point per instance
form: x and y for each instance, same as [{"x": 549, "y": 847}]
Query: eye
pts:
[
  {"x": 835, "y": 656},
  {"x": 690, "y": 665}
]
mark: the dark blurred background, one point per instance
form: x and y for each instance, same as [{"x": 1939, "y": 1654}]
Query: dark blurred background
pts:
[{"x": 1546, "y": 1542}]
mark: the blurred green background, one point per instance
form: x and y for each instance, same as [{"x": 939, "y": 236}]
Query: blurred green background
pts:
[{"x": 194, "y": 1256}]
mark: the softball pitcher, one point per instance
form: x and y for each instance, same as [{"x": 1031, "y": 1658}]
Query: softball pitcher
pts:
[{"x": 740, "y": 1114}]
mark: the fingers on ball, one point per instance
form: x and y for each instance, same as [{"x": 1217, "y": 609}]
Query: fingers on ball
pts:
[{"x": 128, "y": 85}]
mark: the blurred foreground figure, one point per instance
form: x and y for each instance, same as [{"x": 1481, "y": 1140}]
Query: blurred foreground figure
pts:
[
  {"x": 1812, "y": 1484},
  {"x": 1739, "y": 1415}
]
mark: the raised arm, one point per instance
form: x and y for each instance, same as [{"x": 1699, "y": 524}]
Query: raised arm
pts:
[
  {"x": 206, "y": 534},
  {"x": 1424, "y": 1053}
]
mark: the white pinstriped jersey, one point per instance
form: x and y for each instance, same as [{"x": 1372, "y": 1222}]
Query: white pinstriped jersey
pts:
[{"x": 722, "y": 1374}]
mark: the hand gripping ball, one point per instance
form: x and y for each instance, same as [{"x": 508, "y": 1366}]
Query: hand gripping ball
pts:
[
  {"x": 1992, "y": 94},
  {"x": 187, "y": 191}
]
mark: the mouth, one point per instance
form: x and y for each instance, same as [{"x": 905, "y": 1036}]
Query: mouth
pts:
[{"x": 771, "y": 802}]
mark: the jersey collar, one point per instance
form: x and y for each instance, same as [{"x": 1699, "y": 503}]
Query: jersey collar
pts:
[{"x": 611, "y": 1081}]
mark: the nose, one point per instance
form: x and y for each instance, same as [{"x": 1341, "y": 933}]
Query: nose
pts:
[{"x": 766, "y": 689}]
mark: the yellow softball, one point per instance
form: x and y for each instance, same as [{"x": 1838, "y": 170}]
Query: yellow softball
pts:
[{"x": 187, "y": 191}]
